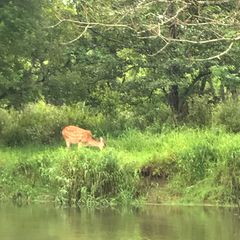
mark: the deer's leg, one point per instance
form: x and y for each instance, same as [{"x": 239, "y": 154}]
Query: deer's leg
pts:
[
  {"x": 79, "y": 145},
  {"x": 68, "y": 144}
]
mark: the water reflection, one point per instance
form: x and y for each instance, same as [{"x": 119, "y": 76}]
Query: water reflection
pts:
[{"x": 155, "y": 223}]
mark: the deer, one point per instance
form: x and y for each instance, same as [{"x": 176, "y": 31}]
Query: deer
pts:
[{"x": 81, "y": 137}]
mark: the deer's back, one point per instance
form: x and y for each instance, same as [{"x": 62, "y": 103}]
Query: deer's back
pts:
[{"x": 75, "y": 134}]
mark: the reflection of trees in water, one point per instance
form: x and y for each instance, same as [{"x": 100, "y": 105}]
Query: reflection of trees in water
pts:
[
  {"x": 188, "y": 223},
  {"x": 155, "y": 223},
  {"x": 28, "y": 223},
  {"x": 103, "y": 224}
]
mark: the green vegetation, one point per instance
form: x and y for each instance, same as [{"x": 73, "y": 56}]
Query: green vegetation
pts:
[
  {"x": 159, "y": 80},
  {"x": 181, "y": 165},
  {"x": 65, "y": 176}
]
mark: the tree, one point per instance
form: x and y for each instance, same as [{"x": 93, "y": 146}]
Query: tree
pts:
[
  {"x": 171, "y": 45},
  {"x": 191, "y": 23},
  {"x": 126, "y": 53},
  {"x": 18, "y": 47}
]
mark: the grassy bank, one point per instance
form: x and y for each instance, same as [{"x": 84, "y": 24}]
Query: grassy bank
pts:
[
  {"x": 193, "y": 166},
  {"x": 187, "y": 166}
]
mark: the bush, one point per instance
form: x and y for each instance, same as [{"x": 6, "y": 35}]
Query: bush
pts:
[
  {"x": 10, "y": 131},
  {"x": 227, "y": 114},
  {"x": 199, "y": 111},
  {"x": 153, "y": 116},
  {"x": 227, "y": 176},
  {"x": 194, "y": 164},
  {"x": 42, "y": 123},
  {"x": 89, "y": 179},
  {"x": 36, "y": 123},
  {"x": 83, "y": 177},
  {"x": 4, "y": 119}
]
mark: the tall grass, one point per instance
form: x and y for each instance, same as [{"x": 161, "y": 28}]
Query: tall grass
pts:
[
  {"x": 66, "y": 176},
  {"x": 194, "y": 165},
  {"x": 200, "y": 165}
]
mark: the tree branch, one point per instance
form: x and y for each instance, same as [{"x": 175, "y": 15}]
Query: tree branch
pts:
[
  {"x": 78, "y": 37},
  {"x": 159, "y": 51},
  {"x": 90, "y": 24},
  {"x": 218, "y": 56},
  {"x": 144, "y": 22}
]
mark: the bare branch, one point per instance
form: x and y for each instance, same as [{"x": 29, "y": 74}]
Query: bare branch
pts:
[
  {"x": 218, "y": 56},
  {"x": 78, "y": 37},
  {"x": 60, "y": 21},
  {"x": 212, "y": 2},
  {"x": 90, "y": 24},
  {"x": 214, "y": 40},
  {"x": 151, "y": 19},
  {"x": 176, "y": 15},
  {"x": 159, "y": 51},
  {"x": 204, "y": 41},
  {"x": 211, "y": 23}
]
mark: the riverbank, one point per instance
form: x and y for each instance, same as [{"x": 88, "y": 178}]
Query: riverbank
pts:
[{"x": 181, "y": 166}]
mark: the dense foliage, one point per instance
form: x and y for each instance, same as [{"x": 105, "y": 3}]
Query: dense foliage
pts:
[
  {"x": 121, "y": 68},
  {"x": 119, "y": 56},
  {"x": 42, "y": 123}
]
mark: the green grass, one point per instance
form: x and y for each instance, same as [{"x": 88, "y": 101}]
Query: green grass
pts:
[{"x": 186, "y": 165}]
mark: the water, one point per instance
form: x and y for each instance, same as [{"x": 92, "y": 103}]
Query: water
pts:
[{"x": 148, "y": 223}]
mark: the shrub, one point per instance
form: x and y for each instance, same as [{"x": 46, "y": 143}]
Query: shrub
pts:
[
  {"x": 42, "y": 123},
  {"x": 4, "y": 119},
  {"x": 195, "y": 162},
  {"x": 89, "y": 179},
  {"x": 10, "y": 131},
  {"x": 199, "y": 111},
  {"x": 152, "y": 116},
  {"x": 227, "y": 114},
  {"x": 227, "y": 176}
]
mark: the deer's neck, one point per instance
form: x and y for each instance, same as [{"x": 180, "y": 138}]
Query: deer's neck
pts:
[{"x": 94, "y": 143}]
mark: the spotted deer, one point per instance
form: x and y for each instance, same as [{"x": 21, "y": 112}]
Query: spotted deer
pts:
[{"x": 80, "y": 136}]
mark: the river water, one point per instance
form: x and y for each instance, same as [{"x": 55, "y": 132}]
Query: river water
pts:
[{"x": 42, "y": 222}]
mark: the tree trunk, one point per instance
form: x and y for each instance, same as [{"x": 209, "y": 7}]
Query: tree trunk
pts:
[{"x": 173, "y": 98}]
